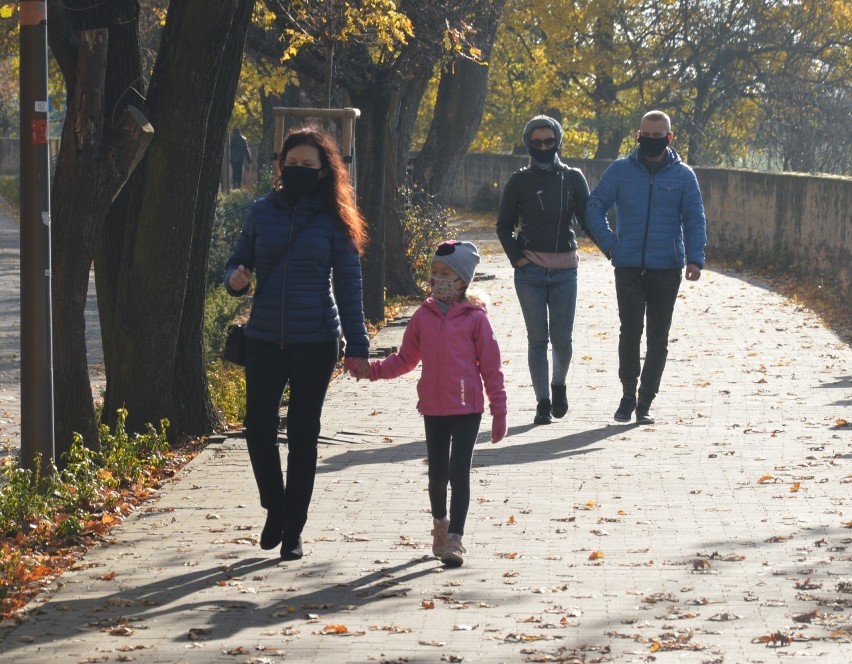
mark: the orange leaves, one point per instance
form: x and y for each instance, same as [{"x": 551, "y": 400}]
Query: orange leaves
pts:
[
  {"x": 795, "y": 487},
  {"x": 596, "y": 555},
  {"x": 774, "y": 639},
  {"x": 335, "y": 629},
  {"x": 765, "y": 478},
  {"x": 427, "y": 604}
]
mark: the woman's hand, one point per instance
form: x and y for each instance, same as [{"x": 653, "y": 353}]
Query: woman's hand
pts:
[
  {"x": 522, "y": 261},
  {"x": 358, "y": 367},
  {"x": 240, "y": 278}
]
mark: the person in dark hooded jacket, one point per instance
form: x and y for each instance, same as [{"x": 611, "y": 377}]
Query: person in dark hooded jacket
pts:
[
  {"x": 540, "y": 206},
  {"x": 302, "y": 243}
]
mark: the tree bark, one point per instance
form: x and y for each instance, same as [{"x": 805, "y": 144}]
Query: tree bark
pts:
[
  {"x": 458, "y": 112},
  {"x": 154, "y": 288},
  {"x": 95, "y": 160},
  {"x": 371, "y": 166}
]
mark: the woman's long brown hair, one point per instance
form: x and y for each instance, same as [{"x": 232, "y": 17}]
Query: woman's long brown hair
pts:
[{"x": 342, "y": 194}]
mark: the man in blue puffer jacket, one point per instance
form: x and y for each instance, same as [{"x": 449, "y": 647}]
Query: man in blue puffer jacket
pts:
[{"x": 660, "y": 226}]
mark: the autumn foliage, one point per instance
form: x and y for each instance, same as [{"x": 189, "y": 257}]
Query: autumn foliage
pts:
[{"x": 50, "y": 516}]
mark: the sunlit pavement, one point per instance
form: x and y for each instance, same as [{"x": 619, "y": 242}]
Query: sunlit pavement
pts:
[{"x": 722, "y": 532}]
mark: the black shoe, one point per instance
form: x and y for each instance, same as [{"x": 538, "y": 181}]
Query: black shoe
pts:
[
  {"x": 291, "y": 549},
  {"x": 271, "y": 535},
  {"x": 625, "y": 409},
  {"x": 560, "y": 400},
  {"x": 542, "y": 412},
  {"x": 644, "y": 414}
]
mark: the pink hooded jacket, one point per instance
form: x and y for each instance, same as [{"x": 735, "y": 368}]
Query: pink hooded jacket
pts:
[{"x": 458, "y": 351}]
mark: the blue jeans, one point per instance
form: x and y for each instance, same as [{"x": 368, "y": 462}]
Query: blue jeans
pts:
[{"x": 548, "y": 301}]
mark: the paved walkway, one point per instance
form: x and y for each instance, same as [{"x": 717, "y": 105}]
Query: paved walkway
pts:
[{"x": 713, "y": 536}]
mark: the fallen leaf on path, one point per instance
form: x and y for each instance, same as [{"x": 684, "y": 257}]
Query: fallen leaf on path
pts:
[
  {"x": 596, "y": 555},
  {"x": 807, "y": 617},
  {"x": 772, "y": 639}
]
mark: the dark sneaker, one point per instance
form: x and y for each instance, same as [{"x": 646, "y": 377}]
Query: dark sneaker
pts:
[
  {"x": 542, "y": 412},
  {"x": 625, "y": 409},
  {"x": 271, "y": 535},
  {"x": 291, "y": 549},
  {"x": 644, "y": 414},
  {"x": 560, "y": 400}
]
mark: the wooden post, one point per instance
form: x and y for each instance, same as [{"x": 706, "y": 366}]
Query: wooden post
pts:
[{"x": 347, "y": 115}]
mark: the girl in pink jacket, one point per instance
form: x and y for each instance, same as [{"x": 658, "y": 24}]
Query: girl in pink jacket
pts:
[{"x": 452, "y": 337}]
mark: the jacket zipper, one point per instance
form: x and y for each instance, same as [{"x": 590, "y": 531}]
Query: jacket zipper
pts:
[
  {"x": 647, "y": 218},
  {"x": 439, "y": 362},
  {"x": 559, "y": 220},
  {"x": 284, "y": 279}
]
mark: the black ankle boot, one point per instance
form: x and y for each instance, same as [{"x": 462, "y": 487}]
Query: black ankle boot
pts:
[
  {"x": 560, "y": 400},
  {"x": 542, "y": 412},
  {"x": 625, "y": 409},
  {"x": 291, "y": 548},
  {"x": 271, "y": 535}
]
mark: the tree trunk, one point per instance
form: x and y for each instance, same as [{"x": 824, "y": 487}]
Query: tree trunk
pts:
[
  {"x": 94, "y": 162},
  {"x": 152, "y": 297},
  {"x": 372, "y": 164},
  {"x": 458, "y": 113}
]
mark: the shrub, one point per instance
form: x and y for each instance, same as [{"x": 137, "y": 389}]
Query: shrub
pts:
[
  {"x": 220, "y": 309},
  {"x": 425, "y": 223},
  {"x": 231, "y": 210}
]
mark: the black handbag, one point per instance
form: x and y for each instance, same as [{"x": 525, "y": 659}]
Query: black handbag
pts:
[{"x": 235, "y": 345}]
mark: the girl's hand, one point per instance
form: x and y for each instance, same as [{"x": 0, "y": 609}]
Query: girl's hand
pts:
[
  {"x": 240, "y": 278},
  {"x": 498, "y": 427},
  {"x": 358, "y": 367}
]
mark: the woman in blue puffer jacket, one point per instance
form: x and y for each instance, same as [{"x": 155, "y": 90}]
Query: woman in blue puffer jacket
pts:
[{"x": 302, "y": 242}]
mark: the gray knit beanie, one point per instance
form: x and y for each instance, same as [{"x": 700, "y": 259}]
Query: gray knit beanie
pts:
[
  {"x": 461, "y": 256},
  {"x": 542, "y": 122}
]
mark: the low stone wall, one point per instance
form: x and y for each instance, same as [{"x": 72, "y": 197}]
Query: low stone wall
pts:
[{"x": 789, "y": 221}]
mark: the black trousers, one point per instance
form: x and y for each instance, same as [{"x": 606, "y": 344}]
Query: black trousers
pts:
[
  {"x": 449, "y": 444},
  {"x": 236, "y": 174},
  {"x": 644, "y": 295},
  {"x": 307, "y": 368}
]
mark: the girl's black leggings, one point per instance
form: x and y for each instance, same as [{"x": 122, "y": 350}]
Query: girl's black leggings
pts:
[{"x": 449, "y": 445}]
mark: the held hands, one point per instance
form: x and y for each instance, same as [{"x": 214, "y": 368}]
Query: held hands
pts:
[
  {"x": 358, "y": 367},
  {"x": 693, "y": 272},
  {"x": 498, "y": 427},
  {"x": 240, "y": 278}
]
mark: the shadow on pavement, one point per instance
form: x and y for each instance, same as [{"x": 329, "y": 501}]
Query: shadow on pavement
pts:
[{"x": 217, "y": 620}]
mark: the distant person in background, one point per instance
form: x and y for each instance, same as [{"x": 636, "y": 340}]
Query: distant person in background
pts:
[
  {"x": 239, "y": 153},
  {"x": 659, "y": 227},
  {"x": 541, "y": 204}
]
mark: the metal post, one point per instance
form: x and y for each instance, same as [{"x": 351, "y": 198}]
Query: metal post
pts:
[{"x": 36, "y": 328}]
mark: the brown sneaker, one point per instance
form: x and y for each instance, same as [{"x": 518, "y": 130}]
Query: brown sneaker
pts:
[
  {"x": 439, "y": 536},
  {"x": 453, "y": 555}
]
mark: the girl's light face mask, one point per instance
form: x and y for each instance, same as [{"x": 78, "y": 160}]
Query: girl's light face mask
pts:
[{"x": 444, "y": 289}]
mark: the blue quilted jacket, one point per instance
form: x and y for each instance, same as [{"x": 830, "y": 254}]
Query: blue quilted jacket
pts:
[
  {"x": 660, "y": 222},
  {"x": 313, "y": 292}
]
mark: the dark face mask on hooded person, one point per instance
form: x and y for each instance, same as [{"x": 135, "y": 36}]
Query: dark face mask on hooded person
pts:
[
  {"x": 653, "y": 146},
  {"x": 544, "y": 156},
  {"x": 300, "y": 180}
]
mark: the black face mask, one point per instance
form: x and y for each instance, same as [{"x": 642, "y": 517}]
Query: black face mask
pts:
[
  {"x": 300, "y": 180},
  {"x": 653, "y": 146},
  {"x": 544, "y": 156}
]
